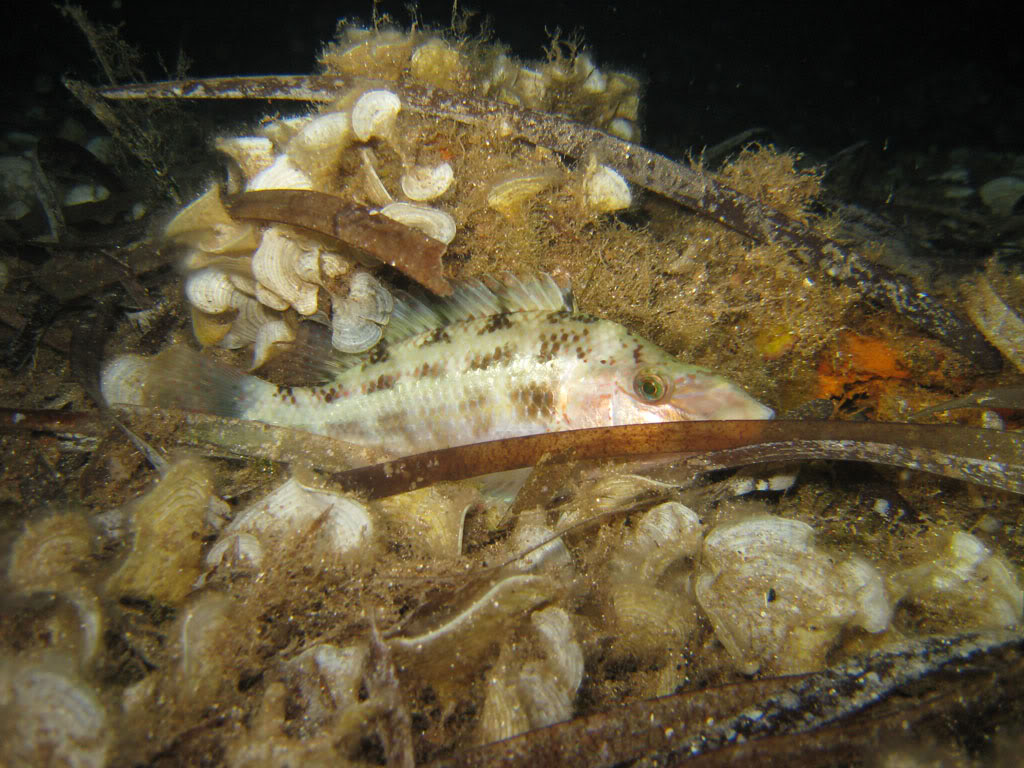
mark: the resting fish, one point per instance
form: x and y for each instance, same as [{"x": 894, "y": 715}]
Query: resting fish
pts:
[{"x": 497, "y": 359}]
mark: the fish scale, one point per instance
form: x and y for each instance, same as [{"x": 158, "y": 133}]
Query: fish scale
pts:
[{"x": 502, "y": 359}]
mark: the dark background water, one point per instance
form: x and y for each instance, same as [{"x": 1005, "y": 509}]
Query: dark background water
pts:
[{"x": 820, "y": 79}]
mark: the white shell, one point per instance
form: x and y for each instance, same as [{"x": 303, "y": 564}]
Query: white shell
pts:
[
  {"x": 510, "y": 194},
  {"x": 669, "y": 526},
  {"x": 426, "y": 182},
  {"x": 1003, "y": 194},
  {"x": 236, "y": 552},
  {"x": 967, "y": 576},
  {"x": 252, "y": 153},
  {"x": 594, "y": 80},
  {"x": 531, "y": 87},
  {"x": 374, "y": 114},
  {"x": 622, "y": 128},
  {"x": 50, "y": 718},
  {"x": 83, "y": 194},
  {"x": 211, "y": 290},
  {"x": 252, "y": 315},
  {"x": 268, "y": 298},
  {"x": 545, "y": 700},
  {"x": 342, "y": 524},
  {"x": 283, "y": 174},
  {"x": 327, "y": 678},
  {"x": 122, "y": 379},
  {"x": 274, "y": 332},
  {"x": 604, "y": 190},
  {"x": 430, "y": 221},
  {"x": 375, "y": 189},
  {"x": 357, "y": 319},
  {"x": 557, "y": 639},
  {"x": 550, "y": 553},
  {"x": 274, "y": 266},
  {"x": 318, "y": 146},
  {"x": 866, "y": 585},
  {"x": 774, "y": 598}
]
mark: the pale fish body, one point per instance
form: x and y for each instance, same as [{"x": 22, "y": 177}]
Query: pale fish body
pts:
[{"x": 493, "y": 362}]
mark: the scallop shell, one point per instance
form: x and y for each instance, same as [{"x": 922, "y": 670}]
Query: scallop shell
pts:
[
  {"x": 271, "y": 334},
  {"x": 210, "y": 290},
  {"x": 430, "y": 221},
  {"x": 604, "y": 190},
  {"x": 48, "y": 551},
  {"x": 274, "y": 266},
  {"x": 375, "y": 189},
  {"x": 235, "y": 553},
  {"x": 774, "y": 598},
  {"x": 122, "y": 379},
  {"x": 317, "y": 148},
  {"x": 50, "y": 716},
  {"x": 437, "y": 63},
  {"x": 327, "y": 679},
  {"x": 253, "y": 154},
  {"x": 165, "y": 557},
  {"x": 594, "y": 81},
  {"x": 531, "y": 87},
  {"x": 374, "y": 114},
  {"x": 564, "y": 657},
  {"x": 357, "y": 319},
  {"x": 622, "y": 128},
  {"x": 965, "y": 576},
  {"x": 283, "y": 174},
  {"x": 341, "y": 523},
  {"x": 510, "y": 195},
  {"x": 426, "y": 182}
]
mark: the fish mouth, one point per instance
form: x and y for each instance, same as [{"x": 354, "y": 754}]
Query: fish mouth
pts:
[{"x": 707, "y": 398}]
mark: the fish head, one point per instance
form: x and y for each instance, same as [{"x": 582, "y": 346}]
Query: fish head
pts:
[{"x": 673, "y": 391}]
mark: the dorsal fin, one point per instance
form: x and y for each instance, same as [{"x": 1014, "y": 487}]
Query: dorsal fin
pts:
[{"x": 472, "y": 299}]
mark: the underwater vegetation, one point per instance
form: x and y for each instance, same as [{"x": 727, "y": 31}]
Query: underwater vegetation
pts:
[{"x": 433, "y": 423}]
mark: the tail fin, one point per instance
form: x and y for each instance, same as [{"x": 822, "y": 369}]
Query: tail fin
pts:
[{"x": 180, "y": 378}]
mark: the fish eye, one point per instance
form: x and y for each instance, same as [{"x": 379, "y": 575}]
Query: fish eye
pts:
[{"x": 651, "y": 386}]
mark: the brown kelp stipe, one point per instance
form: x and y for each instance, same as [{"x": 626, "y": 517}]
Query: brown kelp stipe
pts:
[
  {"x": 986, "y": 457},
  {"x": 687, "y": 186},
  {"x": 388, "y": 241},
  {"x": 983, "y": 456}
]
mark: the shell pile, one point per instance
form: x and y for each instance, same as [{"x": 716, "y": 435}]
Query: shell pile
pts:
[
  {"x": 251, "y": 284},
  {"x": 733, "y": 588}
]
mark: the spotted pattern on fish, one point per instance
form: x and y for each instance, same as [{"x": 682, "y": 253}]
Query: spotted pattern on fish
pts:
[{"x": 499, "y": 364}]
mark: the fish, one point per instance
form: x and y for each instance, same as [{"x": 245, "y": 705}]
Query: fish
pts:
[{"x": 498, "y": 358}]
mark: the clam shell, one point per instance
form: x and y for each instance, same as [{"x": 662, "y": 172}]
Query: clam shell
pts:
[
  {"x": 426, "y": 182},
  {"x": 271, "y": 334},
  {"x": 509, "y": 196},
  {"x": 327, "y": 678},
  {"x": 123, "y": 378},
  {"x": 604, "y": 190},
  {"x": 50, "y": 716},
  {"x": 245, "y": 328},
  {"x": 210, "y": 290},
  {"x": 564, "y": 657},
  {"x": 437, "y": 63},
  {"x": 274, "y": 265},
  {"x": 342, "y": 524},
  {"x": 622, "y": 128},
  {"x": 49, "y": 550},
  {"x": 252, "y": 153},
  {"x": 317, "y": 148},
  {"x": 430, "y": 221},
  {"x": 357, "y": 319},
  {"x": 374, "y": 114},
  {"x": 283, "y": 174}
]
